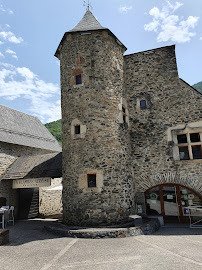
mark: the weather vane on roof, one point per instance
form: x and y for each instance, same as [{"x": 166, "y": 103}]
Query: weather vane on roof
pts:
[{"x": 87, "y": 4}]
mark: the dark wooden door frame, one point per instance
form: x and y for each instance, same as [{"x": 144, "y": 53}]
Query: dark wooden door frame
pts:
[{"x": 179, "y": 203}]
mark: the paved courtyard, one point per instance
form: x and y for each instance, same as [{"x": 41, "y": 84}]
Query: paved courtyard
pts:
[{"x": 32, "y": 248}]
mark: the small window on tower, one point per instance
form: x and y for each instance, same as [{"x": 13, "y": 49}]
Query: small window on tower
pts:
[
  {"x": 124, "y": 114},
  {"x": 143, "y": 104},
  {"x": 77, "y": 129},
  {"x": 91, "y": 180},
  {"x": 78, "y": 79}
]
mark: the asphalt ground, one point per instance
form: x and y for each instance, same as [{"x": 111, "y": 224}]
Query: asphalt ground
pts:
[{"x": 33, "y": 248}]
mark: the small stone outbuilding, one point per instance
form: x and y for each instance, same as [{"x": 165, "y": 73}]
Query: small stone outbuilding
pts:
[{"x": 27, "y": 151}]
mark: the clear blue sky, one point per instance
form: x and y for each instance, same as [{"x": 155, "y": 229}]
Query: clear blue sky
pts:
[{"x": 30, "y": 32}]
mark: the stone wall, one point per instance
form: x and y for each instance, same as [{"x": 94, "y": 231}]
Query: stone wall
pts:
[
  {"x": 153, "y": 76},
  {"x": 104, "y": 148},
  {"x": 50, "y": 198}
]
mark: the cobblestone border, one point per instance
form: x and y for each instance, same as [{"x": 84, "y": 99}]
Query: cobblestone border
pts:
[{"x": 146, "y": 228}]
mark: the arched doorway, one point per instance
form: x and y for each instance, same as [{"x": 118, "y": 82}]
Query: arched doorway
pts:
[{"x": 170, "y": 201}]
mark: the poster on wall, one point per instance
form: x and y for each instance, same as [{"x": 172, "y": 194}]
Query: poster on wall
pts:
[{"x": 139, "y": 209}]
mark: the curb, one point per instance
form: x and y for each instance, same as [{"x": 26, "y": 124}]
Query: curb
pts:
[{"x": 96, "y": 233}]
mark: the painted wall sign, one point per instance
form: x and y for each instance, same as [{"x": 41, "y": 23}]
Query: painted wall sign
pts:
[{"x": 32, "y": 183}]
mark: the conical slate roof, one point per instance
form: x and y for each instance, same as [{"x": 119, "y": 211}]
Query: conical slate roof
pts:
[{"x": 89, "y": 22}]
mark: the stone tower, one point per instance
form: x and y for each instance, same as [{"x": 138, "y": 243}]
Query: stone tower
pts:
[{"x": 97, "y": 176}]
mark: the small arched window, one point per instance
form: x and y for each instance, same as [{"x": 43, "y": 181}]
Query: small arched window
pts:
[
  {"x": 77, "y": 129},
  {"x": 143, "y": 103},
  {"x": 123, "y": 112},
  {"x": 78, "y": 79}
]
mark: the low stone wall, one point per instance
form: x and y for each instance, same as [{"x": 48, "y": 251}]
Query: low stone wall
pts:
[{"x": 148, "y": 227}]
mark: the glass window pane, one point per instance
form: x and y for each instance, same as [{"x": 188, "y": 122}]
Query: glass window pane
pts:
[
  {"x": 78, "y": 79},
  {"x": 189, "y": 199},
  {"x": 195, "y": 137},
  {"x": 197, "y": 153},
  {"x": 91, "y": 180},
  {"x": 77, "y": 129},
  {"x": 182, "y": 138},
  {"x": 184, "y": 153},
  {"x": 153, "y": 202},
  {"x": 170, "y": 202},
  {"x": 143, "y": 103}
]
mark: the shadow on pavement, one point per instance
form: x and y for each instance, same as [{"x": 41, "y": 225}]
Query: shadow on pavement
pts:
[
  {"x": 25, "y": 231},
  {"x": 176, "y": 229}
]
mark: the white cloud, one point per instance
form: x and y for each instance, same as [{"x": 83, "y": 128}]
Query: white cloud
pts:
[
  {"x": 21, "y": 82},
  {"x": 200, "y": 38},
  {"x": 26, "y": 73},
  {"x": 12, "y": 53},
  {"x": 124, "y": 9},
  {"x": 170, "y": 26},
  {"x": 1, "y": 42},
  {"x": 175, "y": 6},
  {"x": 10, "y": 36},
  {"x": 1, "y": 55},
  {"x": 7, "y": 10}
]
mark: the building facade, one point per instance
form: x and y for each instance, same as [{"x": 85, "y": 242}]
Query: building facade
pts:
[{"x": 132, "y": 130}]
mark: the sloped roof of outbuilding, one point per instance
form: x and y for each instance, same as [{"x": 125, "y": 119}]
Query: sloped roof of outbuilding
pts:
[
  {"x": 88, "y": 22},
  {"x": 23, "y": 129},
  {"x": 37, "y": 166}
]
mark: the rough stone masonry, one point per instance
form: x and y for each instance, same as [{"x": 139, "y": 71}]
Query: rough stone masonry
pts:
[{"x": 120, "y": 115}]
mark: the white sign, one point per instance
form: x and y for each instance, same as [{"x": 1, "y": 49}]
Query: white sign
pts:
[
  {"x": 170, "y": 197},
  {"x": 31, "y": 183}
]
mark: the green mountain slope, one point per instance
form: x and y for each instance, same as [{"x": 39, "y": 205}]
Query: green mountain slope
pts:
[
  {"x": 198, "y": 86},
  {"x": 55, "y": 129}
]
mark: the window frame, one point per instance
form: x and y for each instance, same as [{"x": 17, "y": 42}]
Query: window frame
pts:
[
  {"x": 77, "y": 129},
  {"x": 124, "y": 114},
  {"x": 189, "y": 144},
  {"x": 78, "y": 79}
]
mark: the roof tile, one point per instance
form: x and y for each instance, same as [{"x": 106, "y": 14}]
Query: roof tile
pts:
[
  {"x": 89, "y": 22},
  {"x": 23, "y": 129}
]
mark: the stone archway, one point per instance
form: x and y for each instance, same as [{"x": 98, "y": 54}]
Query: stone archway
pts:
[{"x": 145, "y": 182}]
